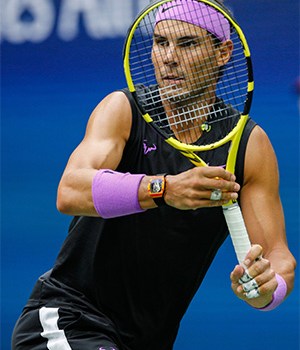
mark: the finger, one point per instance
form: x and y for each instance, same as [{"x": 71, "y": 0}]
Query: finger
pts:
[
  {"x": 236, "y": 274},
  {"x": 218, "y": 172},
  {"x": 268, "y": 288},
  {"x": 224, "y": 185},
  {"x": 246, "y": 277},
  {"x": 225, "y": 196},
  {"x": 248, "y": 286},
  {"x": 254, "y": 254},
  {"x": 216, "y": 195},
  {"x": 252, "y": 294},
  {"x": 264, "y": 281},
  {"x": 264, "y": 290},
  {"x": 259, "y": 267},
  {"x": 217, "y": 203},
  {"x": 201, "y": 203},
  {"x": 212, "y": 178}
]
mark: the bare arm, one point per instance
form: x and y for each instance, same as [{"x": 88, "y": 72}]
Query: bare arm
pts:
[
  {"x": 102, "y": 147},
  {"x": 264, "y": 218}
]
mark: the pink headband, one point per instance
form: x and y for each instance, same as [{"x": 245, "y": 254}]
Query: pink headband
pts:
[{"x": 196, "y": 13}]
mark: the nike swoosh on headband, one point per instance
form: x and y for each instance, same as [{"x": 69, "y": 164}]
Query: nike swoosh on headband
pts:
[{"x": 168, "y": 8}]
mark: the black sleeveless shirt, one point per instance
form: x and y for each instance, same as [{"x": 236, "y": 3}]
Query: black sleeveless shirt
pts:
[{"x": 141, "y": 271}]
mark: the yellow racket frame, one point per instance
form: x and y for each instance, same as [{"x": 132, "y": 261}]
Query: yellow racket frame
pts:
[{"x": 236, "y": 133}]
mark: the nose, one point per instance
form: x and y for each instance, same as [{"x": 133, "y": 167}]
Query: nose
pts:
[{"x": 171, "y": 57}]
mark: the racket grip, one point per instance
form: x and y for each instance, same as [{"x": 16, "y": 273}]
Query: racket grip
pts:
[{"x": 237, "y": 230}]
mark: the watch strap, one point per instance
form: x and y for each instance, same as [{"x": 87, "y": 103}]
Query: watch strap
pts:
[{"x": 160, "y": 202}]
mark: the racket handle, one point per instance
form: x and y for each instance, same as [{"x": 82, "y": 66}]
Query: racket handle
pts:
[{"x": 237, "y": 230}]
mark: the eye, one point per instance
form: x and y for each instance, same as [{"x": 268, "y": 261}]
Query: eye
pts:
[
  {"x": 188, "y": 43},
  {"x": 161, "y": 42}
]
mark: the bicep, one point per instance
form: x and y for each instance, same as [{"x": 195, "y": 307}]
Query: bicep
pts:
[{"x": 106, "y": 135}]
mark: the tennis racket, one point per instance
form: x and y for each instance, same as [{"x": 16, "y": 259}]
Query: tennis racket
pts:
[{"x": 187, "y": 65}]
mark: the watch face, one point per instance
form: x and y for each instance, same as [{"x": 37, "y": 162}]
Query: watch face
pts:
[{"x": 156, "y": 186}]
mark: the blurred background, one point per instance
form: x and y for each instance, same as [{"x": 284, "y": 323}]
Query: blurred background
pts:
[{"x": 58, "y": 60}]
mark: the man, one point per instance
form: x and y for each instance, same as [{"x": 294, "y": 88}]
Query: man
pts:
[{"x": 140, "y": 243}]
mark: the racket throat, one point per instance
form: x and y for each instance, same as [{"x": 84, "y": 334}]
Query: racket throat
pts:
[{"x": 189, "y": 123}]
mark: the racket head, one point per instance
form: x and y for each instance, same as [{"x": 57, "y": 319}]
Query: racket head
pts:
[{"x": 158, "y": 84}]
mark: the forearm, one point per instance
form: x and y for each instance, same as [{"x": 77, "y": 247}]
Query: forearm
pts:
[
  {"x": 74, "y": 195},
  {"x": 107, "y": 193}
]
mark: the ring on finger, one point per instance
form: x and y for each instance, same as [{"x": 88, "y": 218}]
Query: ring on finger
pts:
[{"x": 216, "y": 195}]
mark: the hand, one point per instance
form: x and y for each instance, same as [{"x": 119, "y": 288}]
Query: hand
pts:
[
  {"x": 254, "y": 283},
  {"x": 192, "y": 189}
]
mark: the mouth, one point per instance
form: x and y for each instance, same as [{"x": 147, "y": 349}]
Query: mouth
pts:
[{"x": 172, "y": 79}]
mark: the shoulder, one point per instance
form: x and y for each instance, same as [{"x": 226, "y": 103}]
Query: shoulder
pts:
[
  {"x": 259, "y": 143},
  {"x": 116, "y": 102},
  {"x": 260, "y": 157},
  {"x": 113, "y": 113}
]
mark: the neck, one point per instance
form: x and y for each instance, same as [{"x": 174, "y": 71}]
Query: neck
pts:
[{"x": 186, "y": 117}]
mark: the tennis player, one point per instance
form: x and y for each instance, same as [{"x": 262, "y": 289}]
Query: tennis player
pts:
[{"x": 147, "y": 225}]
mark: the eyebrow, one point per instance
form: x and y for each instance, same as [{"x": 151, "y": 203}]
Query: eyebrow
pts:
[{"x": 182, "y": 38}]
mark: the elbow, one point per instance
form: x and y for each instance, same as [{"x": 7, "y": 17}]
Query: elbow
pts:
[
  {"x": 74, "y": 197},
  {"x": 63, "y": 203}
]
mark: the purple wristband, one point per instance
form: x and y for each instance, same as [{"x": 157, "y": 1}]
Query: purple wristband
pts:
[
  {"x": 278, "y": 295},
  {"x": 116, "y": 194}
]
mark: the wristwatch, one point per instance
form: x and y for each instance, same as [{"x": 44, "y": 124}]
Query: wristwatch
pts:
[{"x": 156, "y": 189}]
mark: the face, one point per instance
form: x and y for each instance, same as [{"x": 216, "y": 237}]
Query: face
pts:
[{"x": 186, "y": 61}]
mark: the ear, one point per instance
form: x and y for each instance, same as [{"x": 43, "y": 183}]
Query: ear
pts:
[{"x": 224, "y": 52}]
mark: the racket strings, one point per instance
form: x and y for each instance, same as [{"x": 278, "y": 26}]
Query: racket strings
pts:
[
  {"x": 189, "y": 123},
  {"x": 173, "y": 87}
]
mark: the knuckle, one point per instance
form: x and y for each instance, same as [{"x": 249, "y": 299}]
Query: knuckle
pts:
[
  {"x": 263, "y": 289},
  {"x": 258, "y": 248},
  {"x": 255, "y": 270},
  {"x": 258, "y": 281},
  {"x": 267, "y": 263},
  {"x": 272, "y": 274}
]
